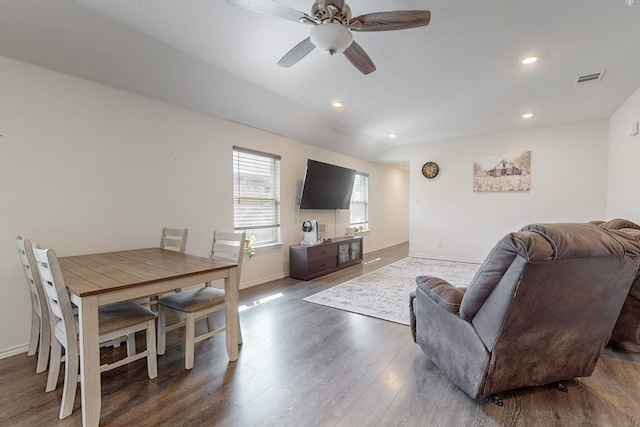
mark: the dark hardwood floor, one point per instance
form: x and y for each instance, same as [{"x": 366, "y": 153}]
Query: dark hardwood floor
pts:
[{"x": 303, "y": 364}]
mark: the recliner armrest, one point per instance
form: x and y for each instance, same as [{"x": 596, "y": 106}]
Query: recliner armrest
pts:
[{"x": 442, "y": 292}]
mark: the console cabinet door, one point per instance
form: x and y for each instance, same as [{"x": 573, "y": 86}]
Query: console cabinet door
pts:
[
  {"x": 344, "y": 253},
  {"x": 356, "y": 250}
]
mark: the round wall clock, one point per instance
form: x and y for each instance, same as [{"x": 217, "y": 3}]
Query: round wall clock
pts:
[{"x": 430, "y": 170}]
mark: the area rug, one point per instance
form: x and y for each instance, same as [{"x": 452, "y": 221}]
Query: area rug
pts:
[{"x": 384, "y": 293}]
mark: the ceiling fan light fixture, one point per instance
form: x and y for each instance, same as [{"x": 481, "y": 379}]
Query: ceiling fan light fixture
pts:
[{"x": 331, "y": 38}]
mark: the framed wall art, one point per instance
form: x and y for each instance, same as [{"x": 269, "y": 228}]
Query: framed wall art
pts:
[{"x": 503, "y": 172}]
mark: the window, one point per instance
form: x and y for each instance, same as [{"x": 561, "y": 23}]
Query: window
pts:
[
  {"x": 359, "y": 208},
  {"x": 256, "y": 195}
]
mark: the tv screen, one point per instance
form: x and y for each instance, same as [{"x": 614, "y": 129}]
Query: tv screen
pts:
[{"x": 326, "y": 186}]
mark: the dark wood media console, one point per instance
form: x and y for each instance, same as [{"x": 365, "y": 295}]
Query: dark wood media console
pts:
[{"x": 307, "y": 262}]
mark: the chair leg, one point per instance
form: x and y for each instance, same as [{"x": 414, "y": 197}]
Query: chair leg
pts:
[
  {"x": 71, "y": 370},
  {"x": 162, "y": 330},
  {"x": 35, "y": 331},
  {"x": 131, "y": 345},
  {"x": 54, "y": 365},
  {"x": 239, "y": 331},
  {"x": 44, "y": 346},
  {"x": 152, "y": 361},
  {"x": 190, "y": 335}
]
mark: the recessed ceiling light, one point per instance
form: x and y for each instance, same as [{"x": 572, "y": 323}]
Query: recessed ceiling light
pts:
[
  {"x": 529, "y": 60},
  {"x": 337, "y": 104},
  {"x": 527, "y": 115},
  {"x": 393, "y": 135}
]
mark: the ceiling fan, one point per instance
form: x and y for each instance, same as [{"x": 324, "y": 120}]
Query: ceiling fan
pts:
[{"x": 332, "y": 27}]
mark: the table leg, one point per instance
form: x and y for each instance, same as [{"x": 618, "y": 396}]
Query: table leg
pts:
[
  {"x": 90, "y": 388},
  {"x": 231, "y": 313}
]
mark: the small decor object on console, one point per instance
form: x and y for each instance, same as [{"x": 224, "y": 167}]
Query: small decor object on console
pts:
[
  {"x": 310, "y": 227},
  {"x": 430, "y": 170}
]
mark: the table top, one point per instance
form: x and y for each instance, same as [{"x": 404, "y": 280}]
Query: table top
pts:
[{"x": 94, "y": 274}]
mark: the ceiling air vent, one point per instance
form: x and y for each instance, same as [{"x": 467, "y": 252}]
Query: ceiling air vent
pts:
[{"x": 589, "y": 78}]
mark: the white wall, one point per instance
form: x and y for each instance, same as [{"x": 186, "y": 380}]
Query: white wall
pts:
[
  {"x": 623, "y": 195},
  {"x": 87, "y": 168},
  {"x": 568, "y": 184}
]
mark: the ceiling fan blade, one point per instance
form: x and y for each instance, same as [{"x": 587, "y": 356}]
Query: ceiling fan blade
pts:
[
  {"x": 270, "y": 7},
  {"x": 299, "y": 51},
  {"x": 388, "y": 21},
  {"x": 359, "y": 58}
]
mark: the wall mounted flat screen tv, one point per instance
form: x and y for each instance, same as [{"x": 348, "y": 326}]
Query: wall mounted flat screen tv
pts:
[{"x": 326, "y": 186}]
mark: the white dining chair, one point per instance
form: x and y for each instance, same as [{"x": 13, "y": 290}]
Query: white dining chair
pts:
[
  {"x": 174, "y": 239},
  {"x": 195, "y": 304},
  {"x": 115, "y": 320},
  {"x": 40, "y": 338}
]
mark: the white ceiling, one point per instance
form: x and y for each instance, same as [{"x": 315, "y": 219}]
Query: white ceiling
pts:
[{"x": 458, "y": 76}]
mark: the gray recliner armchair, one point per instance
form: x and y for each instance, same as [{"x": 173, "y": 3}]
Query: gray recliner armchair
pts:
[{"x": 540, "y": 309}]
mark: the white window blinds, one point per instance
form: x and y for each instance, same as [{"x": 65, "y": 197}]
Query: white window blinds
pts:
[
  {"x": 256, "y": 185},
  {"x": 359, "y": 208}
]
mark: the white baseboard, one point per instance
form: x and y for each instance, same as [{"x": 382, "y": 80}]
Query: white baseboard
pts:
[
  {"x": 263, "y": 280},
  {"x": 471, "y": 261},
  {"x": 14, "y": 351}
]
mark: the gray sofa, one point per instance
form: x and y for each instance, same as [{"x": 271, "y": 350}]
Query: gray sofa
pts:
[{"x": 540, "y": 309}]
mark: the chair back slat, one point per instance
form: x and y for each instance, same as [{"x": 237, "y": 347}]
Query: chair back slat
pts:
[
  {"x": 55, "y": 288},
  {"x": 226, "y": 252},
  {"x": 174, "y": 239}
]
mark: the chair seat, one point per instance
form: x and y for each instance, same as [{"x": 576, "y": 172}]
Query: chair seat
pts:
[
  {"x": 193, "y": 300},
  {"x": 122, "y": 315},
  {"x": 117, "y": 316}
]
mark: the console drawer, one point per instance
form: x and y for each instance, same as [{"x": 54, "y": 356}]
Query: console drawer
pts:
[
  {"x": 319, "y": 252},
  {"x": 322, "y": 265}
]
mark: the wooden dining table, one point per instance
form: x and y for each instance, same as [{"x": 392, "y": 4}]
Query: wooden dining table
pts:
[{"x": 99, "y": 279}]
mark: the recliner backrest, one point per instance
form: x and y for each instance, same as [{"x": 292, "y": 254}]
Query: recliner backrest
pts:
[{"x": 490, "y": 294}]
